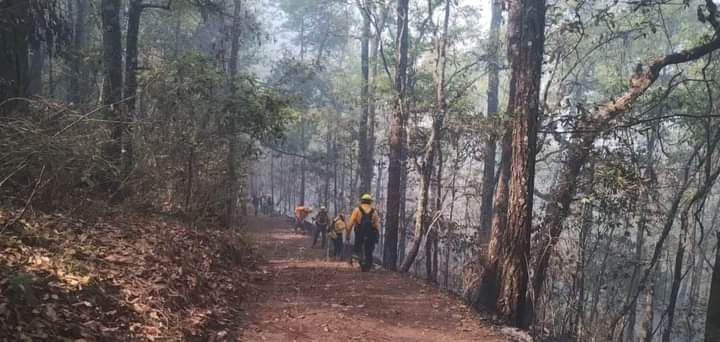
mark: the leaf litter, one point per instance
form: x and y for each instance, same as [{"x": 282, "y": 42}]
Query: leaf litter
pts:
[{"x": 120, "y": 277}]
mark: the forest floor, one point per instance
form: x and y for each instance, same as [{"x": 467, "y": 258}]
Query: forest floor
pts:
[
  {"x": 114, "y": 274},
  {"x": 303, "y": 297}
]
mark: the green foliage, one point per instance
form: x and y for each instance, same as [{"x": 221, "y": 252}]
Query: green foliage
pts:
[
  {"x": 321, "y": 26},
  {"x": 188, "y": 129}
]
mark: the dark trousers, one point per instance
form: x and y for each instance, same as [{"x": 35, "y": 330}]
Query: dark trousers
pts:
[
  {"x": 320, "y": 229},
  {"x": 337, "y": 247},
  {"x": 364, "y": 246}
]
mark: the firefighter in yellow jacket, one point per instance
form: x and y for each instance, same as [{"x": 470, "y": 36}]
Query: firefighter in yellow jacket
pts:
[
  {"x": 366, "y": 223},
  {"x": 335, "y": 234},
  {"x": 301, "y": 213}
]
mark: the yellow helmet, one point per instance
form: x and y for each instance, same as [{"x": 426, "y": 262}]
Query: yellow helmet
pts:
[{"x": 366, "y": 197}]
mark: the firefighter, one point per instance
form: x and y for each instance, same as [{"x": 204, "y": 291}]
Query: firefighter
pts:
[
  {"x": 321, "y": 223},
  {"x": 335, "y": 232},
  {"x": 365, "y": 221},
  {"x": 301, "y": 213}
]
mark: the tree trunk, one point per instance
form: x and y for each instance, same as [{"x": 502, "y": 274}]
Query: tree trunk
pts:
[
  {"x": 328, "y": 163},
  {"x": 341, "y": 197},
  {"x": 14, "y": 47},
  {"x": 112, "y": 85},
  {"x": 233, "y": 187},
  {"x": 486, "y": 295},
  {"x": 677, "y": 278},
  {"x": 648, "y": 314},
  {"x": 190, "y": 172},
  {"x": 434, "y": 235},
  {"x": 272, "y": 181},
  {"x": 526, "y": 41},
  {"x": 37, "y": 63},
  {"x": 302, "y": 161},
  {"x": 585, "y": 228},
  {"x": 645, "y": 198},
  {"x": 365, "y": 164},
  {"x": 639, "y": 243},
  {"x": 699, "y": 197},
  {"x": 712, "y": 320},
  {"x": 422, "y": 218},
  {"x": 372, "y": 105},
  {"x": 78, "y": 77},
  {"x": 489, "y": 149},
  {"x": 392, "y": 206},
  {"x": 403, "y": 202},
  {"x": 49, "y": 45},
  {"x": 131, "y": 65},
  {"x": 335, "y": 157}
]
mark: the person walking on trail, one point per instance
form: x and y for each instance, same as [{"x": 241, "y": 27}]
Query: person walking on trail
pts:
[
  {"x": 365, "y": 221},
  {"x": 256, "y": 204},
  {"x": 301, "y": 213},
  {"x": 335, "y": 232},
  {"x": 321, "y": 223}
]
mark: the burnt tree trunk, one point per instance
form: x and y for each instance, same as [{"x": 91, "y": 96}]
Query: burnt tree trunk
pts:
[
  {"x": 78, "y": 79},
  {"x": 16, "y": 29},
  {"x": 37, "y": 63},
  {"x": 397, "y": 126},
  {"x": 365, "y": 171},
  {"x": 112, "y": 85}
]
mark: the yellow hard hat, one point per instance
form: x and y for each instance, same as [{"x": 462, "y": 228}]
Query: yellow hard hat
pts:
[{"x": 366, "y": 197}]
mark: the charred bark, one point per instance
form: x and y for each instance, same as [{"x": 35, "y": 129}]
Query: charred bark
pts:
[
  {"x": 112, "y": 85},
  {"x": 16, "y": 27},
  {"x": 78, "y": 78},
  {"x": 396, "y": 140}
]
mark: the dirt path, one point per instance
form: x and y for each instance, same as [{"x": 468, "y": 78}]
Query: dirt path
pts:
[{"x": 304, "y": 298}]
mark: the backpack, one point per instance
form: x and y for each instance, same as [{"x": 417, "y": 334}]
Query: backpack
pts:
[{"x": 366, "y": 220}]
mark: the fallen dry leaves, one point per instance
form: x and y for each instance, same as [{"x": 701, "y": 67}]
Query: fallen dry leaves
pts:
[{"x": 119, "y": 277}]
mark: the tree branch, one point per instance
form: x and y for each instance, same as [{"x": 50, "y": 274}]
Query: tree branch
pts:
[{"x": 166, "y": 6}]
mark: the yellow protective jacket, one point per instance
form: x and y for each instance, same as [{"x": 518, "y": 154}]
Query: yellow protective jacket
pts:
[
  {"x": 356, "y": 215},
  {"x": 301, "y": 213},
  {"x": 338, "y": 225},
  {"x": 336, "y": 228}
]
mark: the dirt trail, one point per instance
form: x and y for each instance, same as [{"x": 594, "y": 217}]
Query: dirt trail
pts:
[{"x": 304, "y": 298}]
